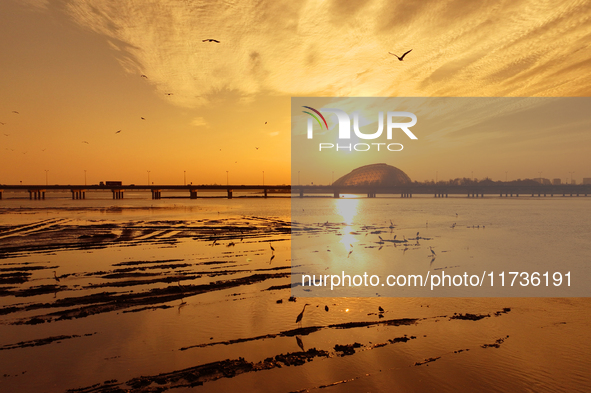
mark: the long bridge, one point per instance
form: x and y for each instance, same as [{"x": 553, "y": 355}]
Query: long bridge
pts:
[{"x": 405, "y": 191}]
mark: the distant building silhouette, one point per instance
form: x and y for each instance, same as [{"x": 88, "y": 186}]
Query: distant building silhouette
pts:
[
  {"x": 556, "y": 182},
  {"x": 587, "y": 180},
  {"x": 374, "y": 174},
  {"x": 543, "y": 181}
]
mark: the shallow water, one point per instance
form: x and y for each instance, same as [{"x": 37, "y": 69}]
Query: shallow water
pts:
[{"x": 158, "y": 295}]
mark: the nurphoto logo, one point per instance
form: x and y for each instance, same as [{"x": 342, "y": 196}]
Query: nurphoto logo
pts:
[{"x": 344, "y": 121}]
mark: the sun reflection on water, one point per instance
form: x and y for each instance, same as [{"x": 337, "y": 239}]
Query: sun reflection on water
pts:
[{"x": 347, "y": 209}]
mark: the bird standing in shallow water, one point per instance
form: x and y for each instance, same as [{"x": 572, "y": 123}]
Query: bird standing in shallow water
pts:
[
  {"x": 301, "y": 315},
  {"x": 55, "y": 276},
  {"x": 272, "y": 249}
]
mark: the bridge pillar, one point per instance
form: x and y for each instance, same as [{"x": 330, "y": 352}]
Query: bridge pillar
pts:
[
  {"x": 3, "y": 190},
  {"x": 301, "y": 193},
  {"x": 336, "y": 194},
  {"x": 265, "y": 192},
  {"x": 193, "y": 194},
  {"x": 78, "y": 194},
  {"x": 229, "y": 193},
  {"x": 36, "y": 194},
  {"x": 156, "y": 194}
]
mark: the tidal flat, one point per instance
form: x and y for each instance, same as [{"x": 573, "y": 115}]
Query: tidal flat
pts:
[{"x": 135, "y": 299}]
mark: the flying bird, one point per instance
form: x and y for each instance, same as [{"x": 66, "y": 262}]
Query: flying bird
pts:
[
  {"x": 326, "y": 308},
  {"x": 16, "y": 112},
  {"x": 256, "y": 148},
  {"x": 143, "y": 118},
  {"x": 401, "y": 57},
  {"x": 1, "y": 124},
  {"x": 265, "y": 122},
  {"x": 381, "y": 309},
  {"x": 169, "y": 94},
  {"x": 143, "y": 76},
  {"x": 86, "y": 142},
  {"x": 211, "y": 40}
]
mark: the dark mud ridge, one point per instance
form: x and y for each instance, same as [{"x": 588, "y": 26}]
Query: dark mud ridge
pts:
[
  {"x": 62, "y": 234},
  {"x": 496, "y": 344},
  {"x": 43, "y": 341},
  {"x": 84, "y": 306},
  {"x": 196, "y": 376}
]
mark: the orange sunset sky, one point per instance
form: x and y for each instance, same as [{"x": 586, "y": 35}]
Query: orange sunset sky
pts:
[{"x": 72, "y": 70}]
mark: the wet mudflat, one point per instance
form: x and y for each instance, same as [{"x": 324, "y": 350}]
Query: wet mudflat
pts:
[{"x": 205, "y": 304}]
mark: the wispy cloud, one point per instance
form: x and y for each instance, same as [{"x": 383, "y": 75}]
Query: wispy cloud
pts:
[
  {"x": 511, "y": 48},
  {"x": 199, "y": 122}
]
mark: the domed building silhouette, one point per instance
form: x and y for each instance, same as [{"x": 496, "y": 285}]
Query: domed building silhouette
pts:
[{"x": 382, "y": 175}]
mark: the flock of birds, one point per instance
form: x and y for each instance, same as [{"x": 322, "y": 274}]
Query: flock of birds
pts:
[
  {"x": 208, "y": 40},
  {"x": 141, "y": 117}
]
